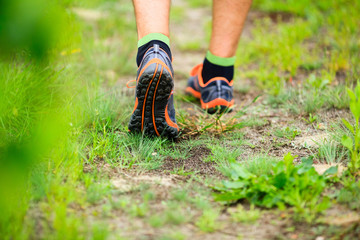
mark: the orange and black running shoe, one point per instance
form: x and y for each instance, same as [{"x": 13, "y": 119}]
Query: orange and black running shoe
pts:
[
  {"x": 154, "y": 112},
  {"x": 215, "y": 96}
]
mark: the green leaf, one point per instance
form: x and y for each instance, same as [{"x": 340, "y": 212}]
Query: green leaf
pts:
[
  {"x": 289, "y": 159},
  {"x": 306, "y": 165},
  {"x": 239, "y": 172},
  {"x": 256, "y": 98},
  {"x": 331, "y": 171},
  {"x": 233, "y": 185},
  {"x": 324, "y": 204},
  {"x": 347, "y": 142},
  {"x": 307, "y": 161},
  {"x": 280, "y": 180},
  {"x": 301, "y": 169},
  {"x": 228, "y": 197},
  {"x": 355, "y": 110},
  {"x": 357, "y": 90},
  {"x": 348, "y": 125},
  {"x": 351, "y": 94},
  {"x": 206, "y": 127}
]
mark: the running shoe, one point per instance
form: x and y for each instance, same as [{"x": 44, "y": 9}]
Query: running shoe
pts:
[
  {"x": 215, "y": 96},
  {"x": 154, "y": 112}
]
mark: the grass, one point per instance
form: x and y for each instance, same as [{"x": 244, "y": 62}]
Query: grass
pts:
[
  {"x": 289, "y": 133},
  {"x": 260, "y": 164},
  {"x": 64, "y": 114},
  {"x": 222, "y": 153},
  {"x": 207, "y": 222},
  {"x": 285, "y": 51},
  {"x": 247, "y": 216},
  {"x": 330, "y": 152}
]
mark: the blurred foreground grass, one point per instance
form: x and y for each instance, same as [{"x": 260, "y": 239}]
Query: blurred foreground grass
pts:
[
  {"x": 35, "y": 106},
  {"x": 57, "y": 111}
]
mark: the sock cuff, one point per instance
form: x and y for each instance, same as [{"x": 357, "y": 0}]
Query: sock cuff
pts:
[
  {"x": 221, "y": 61},
  {"x": 154, "y": 36}
]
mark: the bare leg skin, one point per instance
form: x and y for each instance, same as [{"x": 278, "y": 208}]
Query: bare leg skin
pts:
[
  {"x": 228, "y": 21},
  {"x": 152, "y": 16}
]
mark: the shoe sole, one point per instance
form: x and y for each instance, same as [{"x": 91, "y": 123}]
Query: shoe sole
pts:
[
  {"x": 217, "y": 105},
  {"x": 153, "y": 90}
]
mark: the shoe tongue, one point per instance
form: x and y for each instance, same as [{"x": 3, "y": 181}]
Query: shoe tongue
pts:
[
  {"x": 218, "y": 88},
  {"x": 156, "y": 48}
]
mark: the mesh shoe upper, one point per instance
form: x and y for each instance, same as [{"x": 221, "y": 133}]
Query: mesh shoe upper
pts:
[{"x": 216, "y": 92}]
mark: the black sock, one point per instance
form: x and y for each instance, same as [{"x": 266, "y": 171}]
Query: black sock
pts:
[
  {"x": 142, "y": 50},
  {"x": 211, "y": 70}
]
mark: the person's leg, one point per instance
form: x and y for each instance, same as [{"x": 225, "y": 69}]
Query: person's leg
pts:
[
  {"x": 152, "y": 16},
  {"x": 154, "y": 112},
  {"x": 228, "y": 21},
  {"x": 211, "y": 81},
  {"x": 152, "y": 20}
]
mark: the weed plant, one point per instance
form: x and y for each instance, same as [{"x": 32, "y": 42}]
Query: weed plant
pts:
[
  {"x": 299, "y": 186},
  {"x": 350, "y": 194},
  {"x": 351, "y": 142}
]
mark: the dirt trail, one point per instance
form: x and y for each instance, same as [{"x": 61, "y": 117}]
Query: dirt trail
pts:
[{"x": 261, "y": 140}]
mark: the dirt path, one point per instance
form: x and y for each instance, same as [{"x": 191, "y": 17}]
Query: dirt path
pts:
[{"x": 169, "y": 202}]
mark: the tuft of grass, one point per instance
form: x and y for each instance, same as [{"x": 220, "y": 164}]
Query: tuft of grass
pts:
[
  {"x": 260, "y": 164},
  {"x": 143, "y": 151},
  {"x": 175, "y": 214},
  {"x": 100, "y": 231},
  {"x": 254, "y": 122},
  {"x": 287, "y": 132},
  {"x": 331, "y": 152},
  {"x": 310, "y": 99},
  {"x": 156, "y": 220},
  {"x": 138, "y": 209},
  {"x": 207, "y": 222},
  {"x": 97, "y": 191},
  {"x": 222, "y": 154},
  {"x": 239, "y": 214},
  {"x": 175, "y": 150}
]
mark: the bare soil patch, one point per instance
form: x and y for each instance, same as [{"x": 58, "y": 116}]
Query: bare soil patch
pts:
[{"x": 195, "y": 163}]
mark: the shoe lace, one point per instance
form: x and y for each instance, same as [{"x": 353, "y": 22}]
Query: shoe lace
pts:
[{"x": 127, "y": 84}]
